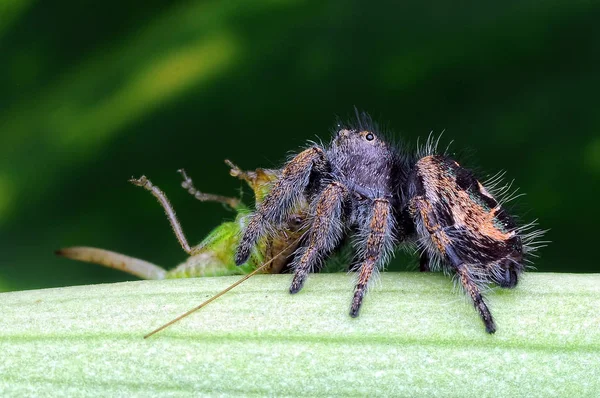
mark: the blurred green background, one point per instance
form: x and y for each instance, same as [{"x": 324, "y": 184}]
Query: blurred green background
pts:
[{"x": 92, "y": 93}]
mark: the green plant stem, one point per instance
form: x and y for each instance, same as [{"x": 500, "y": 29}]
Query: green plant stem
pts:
[{"x": 415, "y": 336}]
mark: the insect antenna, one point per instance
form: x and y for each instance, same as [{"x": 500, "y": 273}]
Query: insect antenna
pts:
[{"x": 216, "y": 296}]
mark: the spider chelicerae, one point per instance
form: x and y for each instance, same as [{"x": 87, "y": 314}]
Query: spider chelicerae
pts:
[{"x": 364, "y": 186}]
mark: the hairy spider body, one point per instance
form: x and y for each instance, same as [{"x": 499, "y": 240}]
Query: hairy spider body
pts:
[{"x": 364, "y": 186}]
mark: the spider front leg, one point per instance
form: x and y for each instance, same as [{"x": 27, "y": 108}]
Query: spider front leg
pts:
[
  {"x": 377, "y": 245},
  {"x": 282, "y": 199},
  {"x": 325, "y": 233}
]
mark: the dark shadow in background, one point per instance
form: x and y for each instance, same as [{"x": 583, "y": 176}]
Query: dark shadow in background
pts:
[{"x": 516, "y": 85}]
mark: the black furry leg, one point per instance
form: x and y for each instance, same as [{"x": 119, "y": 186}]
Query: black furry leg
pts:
[
  {"x": 280, "y": 201},
  {"x": 471, "y": 287},
  {"x": 508, "y": 275},
  {"x": 379, "y": 230},
  {"x": 467, "y": 281},
  {"x": 325, "y": 233}
]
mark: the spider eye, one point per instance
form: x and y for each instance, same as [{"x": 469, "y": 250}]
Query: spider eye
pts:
[{"x": 370, "y": 137}]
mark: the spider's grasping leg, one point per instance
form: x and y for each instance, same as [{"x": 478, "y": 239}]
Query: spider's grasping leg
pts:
[
  {"x": 325, "y": 233},
  {"x": 281, "y": 200},
  {"x": 378, "y": 242}
]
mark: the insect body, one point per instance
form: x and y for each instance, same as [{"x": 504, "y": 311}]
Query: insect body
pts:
[
  {"x": 214, "y": 255},
  {"x": 363, "y": 186}
]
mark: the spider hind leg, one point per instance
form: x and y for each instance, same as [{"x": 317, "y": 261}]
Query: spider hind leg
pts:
[
  {"x": 506, "y": 273},
  {"x": 469, "y": 284},
  {"x": 460, "y": 222}
]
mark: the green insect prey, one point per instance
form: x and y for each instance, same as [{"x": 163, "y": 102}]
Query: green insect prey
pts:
[{"x": 214, "y": 255}]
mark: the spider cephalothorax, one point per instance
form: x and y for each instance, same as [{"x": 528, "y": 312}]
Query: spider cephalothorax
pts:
[{"x": 364, "y": 186}]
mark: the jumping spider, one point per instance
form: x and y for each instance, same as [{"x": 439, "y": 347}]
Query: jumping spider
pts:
[{"x": 363, "y": 186}]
